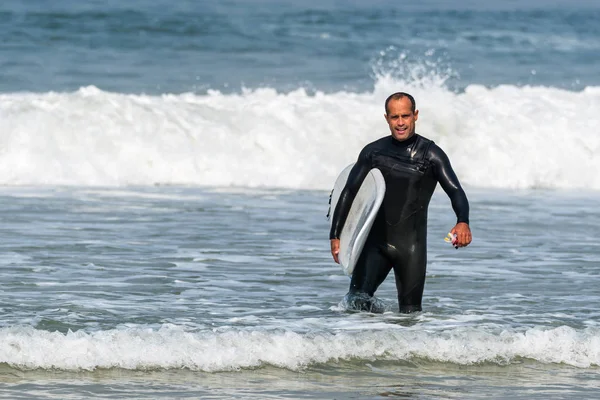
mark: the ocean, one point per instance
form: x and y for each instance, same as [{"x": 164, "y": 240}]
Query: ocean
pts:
[{"x": 165, "y": 170}]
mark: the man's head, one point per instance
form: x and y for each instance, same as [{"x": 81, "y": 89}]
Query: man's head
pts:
[{"x": 401, "y": 115}]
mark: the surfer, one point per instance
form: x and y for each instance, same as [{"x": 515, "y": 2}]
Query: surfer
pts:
[{"x": 411, "y": 166}]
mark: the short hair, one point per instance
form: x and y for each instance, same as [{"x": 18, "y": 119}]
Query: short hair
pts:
[{"x": 398, "y": 96}]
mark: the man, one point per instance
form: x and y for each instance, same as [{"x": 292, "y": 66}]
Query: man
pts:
[{"x": 411, "y": 166}]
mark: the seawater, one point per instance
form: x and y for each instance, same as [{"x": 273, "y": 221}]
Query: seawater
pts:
[
  {"x": 165, "y": 171},
  {"x": 215, "y": 292}
]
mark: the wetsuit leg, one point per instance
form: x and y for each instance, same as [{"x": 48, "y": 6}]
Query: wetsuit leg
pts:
[
  {"x": 370, "y": 271},
  {"x": 410, "y": 277}
]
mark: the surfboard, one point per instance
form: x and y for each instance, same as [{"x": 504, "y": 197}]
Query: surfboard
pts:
[{"x": 361, "y": 216}]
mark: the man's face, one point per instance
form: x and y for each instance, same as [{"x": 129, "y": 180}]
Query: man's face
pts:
[{"x": 401, "y": 119}]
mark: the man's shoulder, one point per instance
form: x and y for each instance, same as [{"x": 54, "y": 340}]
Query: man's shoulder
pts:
[
  {"x": 425, "y": 140},
  {"x": 429, "y": 143},
  {"x": 378, "y": 143},
  {"x": 433, "y": 152}
]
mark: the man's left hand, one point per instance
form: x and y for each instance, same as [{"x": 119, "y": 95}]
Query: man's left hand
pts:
[{"x": 463, "y": 234}]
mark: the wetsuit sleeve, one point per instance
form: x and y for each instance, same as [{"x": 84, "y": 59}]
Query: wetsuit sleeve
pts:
[
  {"x": 357, "y": 175},
  {"x": 449, "y": 182}
]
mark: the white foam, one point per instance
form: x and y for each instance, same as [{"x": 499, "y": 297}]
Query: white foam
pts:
[
  {"x": 225, "y": 349},
  {"x": 503, "y": 137}
]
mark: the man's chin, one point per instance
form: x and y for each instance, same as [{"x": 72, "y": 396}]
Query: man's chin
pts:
[{"x": 401, "y": 137}]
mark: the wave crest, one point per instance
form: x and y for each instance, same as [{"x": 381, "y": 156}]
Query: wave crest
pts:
[{"x": 502, "y": 137}]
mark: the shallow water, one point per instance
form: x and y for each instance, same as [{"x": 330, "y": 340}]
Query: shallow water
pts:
[{"x": 187, "y": 292}]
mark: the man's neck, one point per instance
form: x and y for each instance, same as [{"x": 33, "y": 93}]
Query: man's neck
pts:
[{"x": 407, "y": 141}]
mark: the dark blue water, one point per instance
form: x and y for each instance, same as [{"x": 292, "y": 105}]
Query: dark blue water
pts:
[{"x": 193, "y": 46}]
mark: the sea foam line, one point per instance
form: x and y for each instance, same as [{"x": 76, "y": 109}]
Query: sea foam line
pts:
[{"x": 170, "y": 347}]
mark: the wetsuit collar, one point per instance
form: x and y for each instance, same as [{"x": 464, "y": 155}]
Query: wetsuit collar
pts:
[{"x": 406, "y": 142}]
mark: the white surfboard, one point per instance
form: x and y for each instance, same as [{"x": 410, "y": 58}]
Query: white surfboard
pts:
[{"x": 361, "y": 216}]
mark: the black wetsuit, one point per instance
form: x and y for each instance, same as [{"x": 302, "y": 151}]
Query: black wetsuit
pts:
[{"x": 398, "y": 239}]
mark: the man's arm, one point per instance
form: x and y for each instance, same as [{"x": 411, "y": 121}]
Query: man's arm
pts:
[
  {"x": 449, "y": 182},
  {"x": 355, "y": 179}
]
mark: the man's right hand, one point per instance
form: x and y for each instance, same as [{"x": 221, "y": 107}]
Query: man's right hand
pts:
[{"x": 335, "y": 249}]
